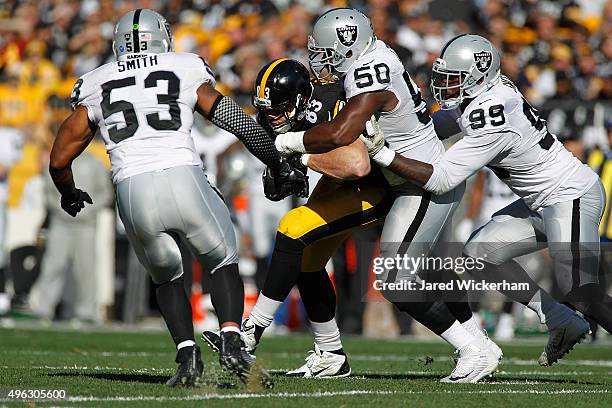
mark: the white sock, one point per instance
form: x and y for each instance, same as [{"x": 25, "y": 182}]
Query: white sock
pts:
[
  {"x": 262, "y": 314},
  {"x": 473, "y": 326},
  {"x": 326, "y": 335},
  {"x": 457, "y": 336},
  {"x": 186, "y": 343},
  {"x": 234, "y": 329},
  {"x": 535, "y": 304}
]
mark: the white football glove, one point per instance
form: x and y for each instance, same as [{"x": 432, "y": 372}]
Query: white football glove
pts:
[
  {"x": 374, "y": 138},
  {"x": 290, "y": 143}
]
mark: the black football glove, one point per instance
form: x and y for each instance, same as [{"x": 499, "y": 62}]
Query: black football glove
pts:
[
  {"x": 286, "y": 181},
  {"x": 296, "y": 162},
  {"x": 73, "y": 203}
]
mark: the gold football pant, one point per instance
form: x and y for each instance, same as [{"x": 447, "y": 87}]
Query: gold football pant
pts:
[{"x": 333, "y": 210}]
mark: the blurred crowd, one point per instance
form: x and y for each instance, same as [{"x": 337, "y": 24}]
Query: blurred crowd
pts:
[{"x": 557, "y": 52}]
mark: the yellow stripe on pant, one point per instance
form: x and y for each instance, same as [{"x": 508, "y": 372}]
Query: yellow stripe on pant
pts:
[{"x": 333, "y": 210}]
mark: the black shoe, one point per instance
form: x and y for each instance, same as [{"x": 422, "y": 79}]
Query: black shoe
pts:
[
  {"x": 190, "y": 367},
  {"x": 212, "y": 340},
  {"x": 234, "y": 358}
]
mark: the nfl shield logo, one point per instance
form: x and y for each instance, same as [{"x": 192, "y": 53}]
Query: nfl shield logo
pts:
[
  {"x": 483, "y": 60},
  {"x": 347, "y": 35}
]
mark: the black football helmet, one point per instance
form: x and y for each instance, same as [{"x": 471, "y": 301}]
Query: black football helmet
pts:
[{"x": 282, "y": 92}]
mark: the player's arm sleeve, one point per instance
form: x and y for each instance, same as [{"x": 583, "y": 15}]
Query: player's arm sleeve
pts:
[
  {"x": 227, "y": 115},
  {"x": 466, "y": 157}
]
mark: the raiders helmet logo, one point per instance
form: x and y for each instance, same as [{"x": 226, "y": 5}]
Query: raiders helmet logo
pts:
[
  {"x": 483, "y": 60},
  {"x": 347, "y": 35}
]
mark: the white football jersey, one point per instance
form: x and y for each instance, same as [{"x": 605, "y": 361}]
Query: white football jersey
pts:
[
  {"x": 408, "y": 128},
  {"x": 143, "y": 108},
  {"x": 495, "y": 196},
  {"x": 502, "y": 131}
]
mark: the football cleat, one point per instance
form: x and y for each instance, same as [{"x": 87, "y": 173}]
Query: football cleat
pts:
[
  {"x": 248, "y": 335},
  {"x": 562, "y": 339},
  {"x": 494, "y": 348},
  {"x": 473, "y": 364},
  {"x": 234, "y": 357},
  {"x": 190, "y": 367},
  {"x": 212, "y": 340},
  {"x": 322, "y": 364}
]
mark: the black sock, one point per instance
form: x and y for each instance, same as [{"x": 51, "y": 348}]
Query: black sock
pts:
[
  {"x": 227, "y": 294},
  {"x": 318, "y": 295},
  {"x": 285, "y": 267},
  {"x": 461, "y": 310},
  {"x": 175, "y": 308},
  {"x": 2, "y": 279},
  {"x": 435, "y": 316},
  {"x": 261, "y": 271}
]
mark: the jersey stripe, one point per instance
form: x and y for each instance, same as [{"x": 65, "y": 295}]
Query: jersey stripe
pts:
[
  {"x": 264, "y": 79},
  {"x": 575, "y": 243},
  {"x": 135, "y": 28}
]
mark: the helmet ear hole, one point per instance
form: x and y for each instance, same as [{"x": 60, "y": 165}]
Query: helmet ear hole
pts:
[{"x": 349, "y": 54}]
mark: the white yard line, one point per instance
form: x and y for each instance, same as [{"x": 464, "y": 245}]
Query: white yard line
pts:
[
  {"x": 355, "y": 357},
  {"x": 404, "y": 358}
]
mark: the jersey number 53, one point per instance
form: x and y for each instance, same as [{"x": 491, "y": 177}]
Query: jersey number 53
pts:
[{"x": 127, "y": 108}]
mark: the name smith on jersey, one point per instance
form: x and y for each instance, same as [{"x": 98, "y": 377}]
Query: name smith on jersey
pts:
[{"x": 137, "y": 63}]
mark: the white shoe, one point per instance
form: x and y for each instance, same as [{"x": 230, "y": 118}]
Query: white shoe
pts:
[
  {"x": 322, "y": 364},
  {"x": 247, "y": 330},
  {"x": 494, "y": 348},
  {"x": 505, "y": 328},
  {"x": 474, "y": 363}
]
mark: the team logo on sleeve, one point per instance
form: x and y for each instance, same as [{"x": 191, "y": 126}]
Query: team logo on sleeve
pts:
[
  {"x": 347, "y": 35},
  {"x": 483, "y": 60}
]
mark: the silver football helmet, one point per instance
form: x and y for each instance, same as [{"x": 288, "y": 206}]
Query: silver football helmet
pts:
[
  {"x": 339, "y": 37},
  {"x": 468, "y": 65},
  {"x": 140, "y": 32}
]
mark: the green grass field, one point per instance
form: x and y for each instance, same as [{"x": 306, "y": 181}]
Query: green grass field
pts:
[{"x": 127, "y": 368}]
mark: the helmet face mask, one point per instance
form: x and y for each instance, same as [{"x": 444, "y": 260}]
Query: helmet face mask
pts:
[
  {"x": 447, "y": 85},
  {"x": 285, "y": 116},
  {"x": 468, "y": 66},
  {"x": 324, "y": 61}
]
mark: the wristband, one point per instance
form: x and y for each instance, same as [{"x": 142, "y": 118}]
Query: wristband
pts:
[
  {"x": 290, "y": 142},
  {"x": 304, "y": 159},
  {"x": 384, "y": 157}
]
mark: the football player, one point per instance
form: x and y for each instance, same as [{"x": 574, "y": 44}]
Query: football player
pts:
[
  {"x": 143, "y": 107},
  {"x": 561, "y": 199},
  {"x": 287, "y": 100},
  {"x": 343, "y": 47}
]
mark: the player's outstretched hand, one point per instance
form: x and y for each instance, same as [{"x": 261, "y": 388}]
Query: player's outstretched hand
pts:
[
  {"x": 75, "y": 202},
  {"x": 285, "y": 182},
  {"x": 373, "y": 138}
]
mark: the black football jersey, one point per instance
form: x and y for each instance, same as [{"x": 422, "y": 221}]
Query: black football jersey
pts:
[{"x": 326, "y": 101}]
